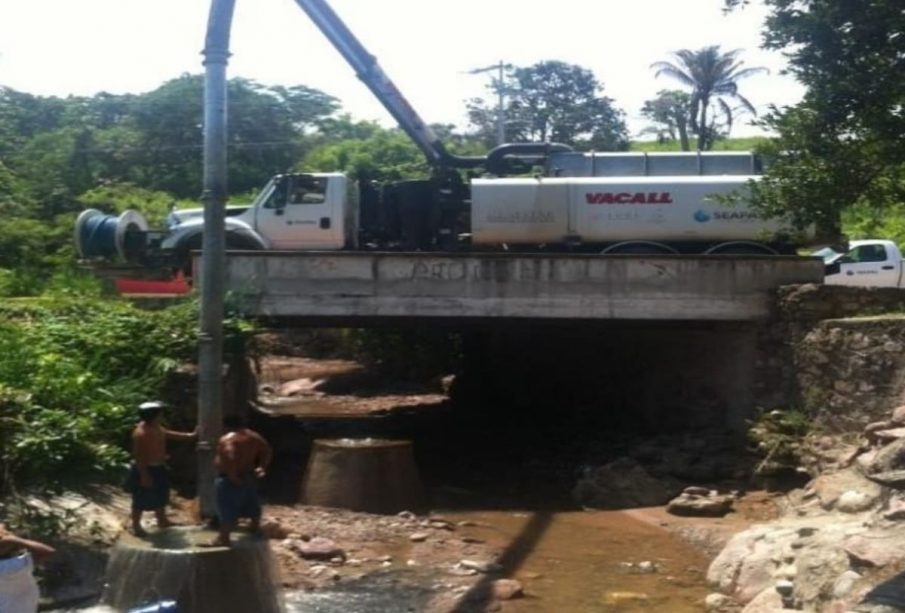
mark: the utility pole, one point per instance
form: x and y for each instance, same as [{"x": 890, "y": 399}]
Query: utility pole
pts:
[
  {"x": 497, "y": 84},
  {"x": 213, "y": 249}
]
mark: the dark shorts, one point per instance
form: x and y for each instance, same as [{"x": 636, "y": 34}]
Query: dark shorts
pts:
[
  {"x": 149, "y": 498},
  {"x": 235, "y": 501}
]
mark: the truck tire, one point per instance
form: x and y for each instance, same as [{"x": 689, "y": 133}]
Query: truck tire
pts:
[
  {"x": 639, "y": 248},
  {"x": 741, "y": 248}
]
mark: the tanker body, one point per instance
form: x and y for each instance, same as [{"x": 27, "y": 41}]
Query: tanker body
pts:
[{"x": 642, "y": 214}]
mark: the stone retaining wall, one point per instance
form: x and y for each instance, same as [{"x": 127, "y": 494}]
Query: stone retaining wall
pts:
[{"x": 837, "y": 353}]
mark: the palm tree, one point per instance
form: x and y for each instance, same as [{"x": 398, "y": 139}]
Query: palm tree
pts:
[{"x": 713, "y": 78}]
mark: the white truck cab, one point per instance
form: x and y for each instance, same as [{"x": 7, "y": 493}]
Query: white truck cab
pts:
[
  {"x": 292, "y": 212},
  {"x": 867, "y": 263}
]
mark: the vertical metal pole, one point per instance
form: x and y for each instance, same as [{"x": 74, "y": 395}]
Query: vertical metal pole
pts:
[{"x": 210, "y": 341}]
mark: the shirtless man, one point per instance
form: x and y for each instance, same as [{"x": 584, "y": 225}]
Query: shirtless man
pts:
[
  {"x": 18, "y": 588},
  {"x": 242, "y": 457},
  {"x": 148, "y": 480}
]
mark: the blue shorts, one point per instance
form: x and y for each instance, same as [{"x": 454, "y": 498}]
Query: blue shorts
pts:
[
  {"x": 149, "y": 498},
  {"x": 235, "y": 501}
]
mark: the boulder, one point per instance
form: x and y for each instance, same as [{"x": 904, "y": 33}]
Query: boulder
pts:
[
  {"x": 889, "y": 458},
  {"x": 318, "y": 548},
  {"x": 828, "y": 488},
  {"x": 710, "y": 504},
  {"x": 622, "y": 484}
]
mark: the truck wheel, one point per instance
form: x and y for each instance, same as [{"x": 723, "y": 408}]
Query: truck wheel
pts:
[
  {"x": 639, "y": 248},
  {"x": 741, "y": 248}
]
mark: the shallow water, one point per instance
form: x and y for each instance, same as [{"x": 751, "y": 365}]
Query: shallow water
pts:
[
  {"x": 578, "y": 561},
  {"x": 570, "y": 561},
  {"x": 573, "y": 562}
]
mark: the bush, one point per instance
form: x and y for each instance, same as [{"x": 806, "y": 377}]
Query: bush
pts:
[{"x": 71, "y": 372}]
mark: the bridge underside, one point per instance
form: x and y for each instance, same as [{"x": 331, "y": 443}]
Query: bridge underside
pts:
[{"x": 353, "y": 288}]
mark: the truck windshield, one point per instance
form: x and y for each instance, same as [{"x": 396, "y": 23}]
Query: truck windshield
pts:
[{"x": 828, "y": 255}]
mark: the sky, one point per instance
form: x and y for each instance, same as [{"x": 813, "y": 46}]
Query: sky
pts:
[{"x": 427, "y": 47}]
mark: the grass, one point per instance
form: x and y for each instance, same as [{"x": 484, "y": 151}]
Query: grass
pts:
[{"x": 729, "y": 144}]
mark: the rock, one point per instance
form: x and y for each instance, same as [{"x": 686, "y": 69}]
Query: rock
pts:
[
  {"x": 898, "y": 415},
  {"x": 298, "y": 387},
  {"x": 318, "y": 548},
  {"x": 646, "y": 567},
  {"x": 872, "y": 427},
  {"x": 719, "y": 603},
  {"x": 507, "y": 589},
  {"x": 844, "y": 583},
  {"x": 274, "y": 530},
  {"x": 785, "y": 588},
  {"x": 622, "y": 484},
  {"x": 896, "y": 510},
  {"x": 854, "y": 502},
  {"x": 418, "y": 537},
  {"x": 481, "y": 566},
  {"x": 887, "y": 436},
  {"x": 875, "y": 551},
  {"x": 620, "y": 599},
  {"x": 767, "y": 601},
  {"x": 744, "y": 567},
  {"x": 820, "y": 564},
  {"x": 890, "y": 478},
  {"x": 694, "y": 505},
  {"x": 829, "y": 487},
  {"x": 405, "y": 515},
  {"x": 441, "y": 525},
  {"x": 891, "y": 457},
  {"x": 695, "y": 490}
]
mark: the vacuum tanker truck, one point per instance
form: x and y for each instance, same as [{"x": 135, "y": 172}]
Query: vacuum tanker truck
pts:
[{"x": 524, "y": 197}]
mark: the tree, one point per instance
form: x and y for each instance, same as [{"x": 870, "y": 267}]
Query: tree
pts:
[
  {"x": 713, "y": 78},
  {"x": 554, "y": 101},
  {"x": 671, "y": 112},
  {"x": 841, "y": 146}
]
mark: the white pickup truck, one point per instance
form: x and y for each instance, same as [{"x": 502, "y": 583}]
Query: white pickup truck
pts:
[{"x": 867, "y": 263}]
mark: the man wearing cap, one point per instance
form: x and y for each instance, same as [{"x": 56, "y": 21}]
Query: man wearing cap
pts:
[{"x": 148, "y": 481}]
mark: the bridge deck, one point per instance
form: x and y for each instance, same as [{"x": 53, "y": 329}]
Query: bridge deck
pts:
[{"x": 348, "y": 286}]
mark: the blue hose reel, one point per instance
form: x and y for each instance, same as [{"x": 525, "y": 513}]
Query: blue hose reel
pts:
[{"x": 99, "y": 235}]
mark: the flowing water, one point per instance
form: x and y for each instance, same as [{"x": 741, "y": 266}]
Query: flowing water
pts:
[
  {"x": 173, "y": 564},
  {"x": 575, "y": 561},
  {"x": 580, "y": 562}
]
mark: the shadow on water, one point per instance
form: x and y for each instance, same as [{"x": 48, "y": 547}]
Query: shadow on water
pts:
[{"x": 511, "y": 559}]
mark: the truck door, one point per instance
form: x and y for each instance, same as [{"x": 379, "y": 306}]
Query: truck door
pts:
[
  {"x": 300, "y": 215},
  {"x": 867, "y": 265}
]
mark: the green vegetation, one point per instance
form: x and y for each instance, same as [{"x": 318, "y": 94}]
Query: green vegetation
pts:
[
  {"x": 723, "y": 144},
  {"x": 73, "y": 364},
  {"x": 841, "y": 146},
  {"x": 778, "y": 438},
  {"x": 552, "y": 101},
  {"x": 712, "y": 76},
  {"x": 72, "y": 370}
]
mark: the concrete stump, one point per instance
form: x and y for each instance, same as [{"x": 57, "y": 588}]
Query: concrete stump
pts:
[
  {"x": 169, "y": 565},
  {"x": 371, "y": 475}
]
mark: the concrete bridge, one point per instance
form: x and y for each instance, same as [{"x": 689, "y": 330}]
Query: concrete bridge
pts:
[{"x": 357, "y": 288}]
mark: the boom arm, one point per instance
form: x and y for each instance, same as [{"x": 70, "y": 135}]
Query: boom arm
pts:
[{"x": 368, "y": 70}]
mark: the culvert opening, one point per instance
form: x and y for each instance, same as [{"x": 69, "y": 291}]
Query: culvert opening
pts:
[{"x": 525, "y": 412}]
